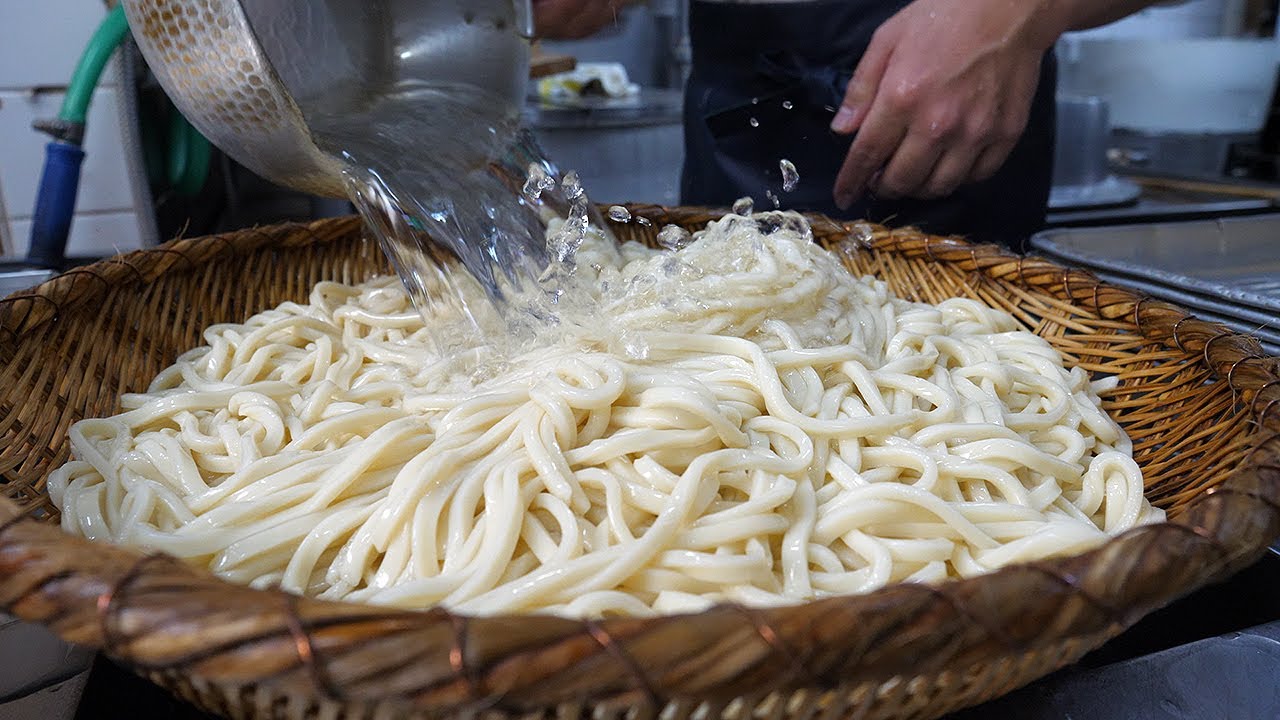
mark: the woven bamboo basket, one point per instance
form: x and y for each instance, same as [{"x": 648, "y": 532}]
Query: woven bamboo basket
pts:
[{"x": 1201, "y": 404}]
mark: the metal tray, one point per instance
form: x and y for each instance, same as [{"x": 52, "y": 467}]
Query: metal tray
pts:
[
  {"x": 14, "y": 278},
  {"x": 1232, "y": 260},
  {"x": 1264, "y": 326}
]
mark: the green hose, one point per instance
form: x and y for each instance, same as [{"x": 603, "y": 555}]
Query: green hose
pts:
[
  {"x": 189, "y": 156},
  {"x": 106, "y": 39},
  {"x": 189, "y": 153}
]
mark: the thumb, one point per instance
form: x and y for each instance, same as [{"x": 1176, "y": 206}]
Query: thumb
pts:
[{"x": 865, "y": 83}]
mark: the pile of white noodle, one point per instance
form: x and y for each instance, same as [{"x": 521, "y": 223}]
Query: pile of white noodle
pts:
[{"x": 740, "y": 420}]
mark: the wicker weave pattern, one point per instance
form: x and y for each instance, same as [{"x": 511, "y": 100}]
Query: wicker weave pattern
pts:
[{"x": 1202, "y": 404}]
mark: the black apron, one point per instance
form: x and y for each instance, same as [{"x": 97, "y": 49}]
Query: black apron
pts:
[{"x": 765, "y": 84}]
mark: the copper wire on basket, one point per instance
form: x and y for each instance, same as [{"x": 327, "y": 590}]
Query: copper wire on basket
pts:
[
  {"x": 306, "y": 649},
  {"x": 458, "y": 656},
  {"x": 795, "y": 666},
  {"x": 1264, "y": 415},
  {"x": 108, "y": 602},
  {"x": 1113, "y": 613},
  {"x": 70, "y": 347},
  {"x": 624, "y": 659}
]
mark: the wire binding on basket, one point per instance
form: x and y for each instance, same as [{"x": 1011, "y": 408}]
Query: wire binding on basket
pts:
[
  {"x": 995, "y": 633},
  {"x": 1070, "y": 582},
  {"x": 1208, "y": 356},
  {"x": 624, "y": 659},
  {"x": 107, "y": 602},
  {"x": 306, "y": 649},
  {"x": 1198, "y": 531},
  {"x": 1177, "y": 335},
  {"x": 1251, "y": 494},
  {"x": 796, "y": 667},
  {"x": 458, "y": 656},
  {"x": 1264, "y": 415}
]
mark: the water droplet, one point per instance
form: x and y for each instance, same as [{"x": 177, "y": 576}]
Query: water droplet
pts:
[
  {"x": 571, "y": 185},
  {"x": 744, "y": 206},
  {"x": 537, "y": 183},
  {"x": 755, "y": 101},
  {"x": 617, "y": 213},
  {"x": 644, "y": 221},
  {"x": 769, "y": 223},
  {"x": 691, "y": 272},
  {"x": 564, "y": 243},
  {"x": 674, "y": 237},
  {"x": 790, "y": 176},
  {"x": 642, "y": 283},
  {"x": 777, "y": 204},
  {"x": 635, "y": 346},
  {"x": 829, "y": 108},
  {"x": 754, "y": 123},
  {"x": 787, "y": 105}
]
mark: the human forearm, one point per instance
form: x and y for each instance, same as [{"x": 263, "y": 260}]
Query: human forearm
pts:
[{"x": 942, "y": 94}]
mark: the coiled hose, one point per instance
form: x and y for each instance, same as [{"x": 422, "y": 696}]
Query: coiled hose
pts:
[{"x": 188, "y": 153}]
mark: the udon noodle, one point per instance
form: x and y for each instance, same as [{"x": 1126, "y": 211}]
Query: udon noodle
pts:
[{"x": 738, "y": 420}]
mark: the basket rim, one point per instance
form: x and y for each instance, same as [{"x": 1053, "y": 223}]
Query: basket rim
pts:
[{"x": 83, "y": 597}]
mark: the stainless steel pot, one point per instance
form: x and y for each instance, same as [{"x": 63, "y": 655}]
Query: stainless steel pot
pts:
[
  {"x": 1081, "y": 175},
  {"x": 248, "y": 73}
]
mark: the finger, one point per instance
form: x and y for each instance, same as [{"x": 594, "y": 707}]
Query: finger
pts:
[
  {"x": 909, "y": 168},
  {"x": 877, "y": 139},
  {"x": 990, "y": 161},
  {"x": 1004, "y": 134},
  {"x": 862, "y": 88},
  {"x": 950, "y": 173}
]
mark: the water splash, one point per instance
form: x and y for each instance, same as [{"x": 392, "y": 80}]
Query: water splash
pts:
[
  {"x": 572, "y": 186},
  {"x": 427, "y": 270},
  {"x": 539, "y": 182},
  {"x": 674, "y": 237},
  {"x": 790, "y": 176},
  {"x": 471, "y": 212},
  {"x": 563, "y": 243}
]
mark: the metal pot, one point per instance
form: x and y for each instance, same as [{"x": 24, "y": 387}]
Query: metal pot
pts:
[
  {"x": 248, "y": 73},
  {"x": 628, "y": 150},
  {"x": 1081, "y": 175}
]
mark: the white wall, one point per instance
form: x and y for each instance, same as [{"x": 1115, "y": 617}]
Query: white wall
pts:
[{"x": 40, "y": 43}]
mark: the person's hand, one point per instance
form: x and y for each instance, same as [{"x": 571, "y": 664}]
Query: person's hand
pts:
[
  {"x": 573, "y": 19},
  {"x": 941, "y": 96}
]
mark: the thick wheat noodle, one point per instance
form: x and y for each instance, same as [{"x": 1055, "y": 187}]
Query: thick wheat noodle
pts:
[{"x": 740, "y": 420}]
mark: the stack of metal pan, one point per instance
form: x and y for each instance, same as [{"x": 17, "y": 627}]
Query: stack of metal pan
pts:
[{"x": 1225, "y": 270}]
